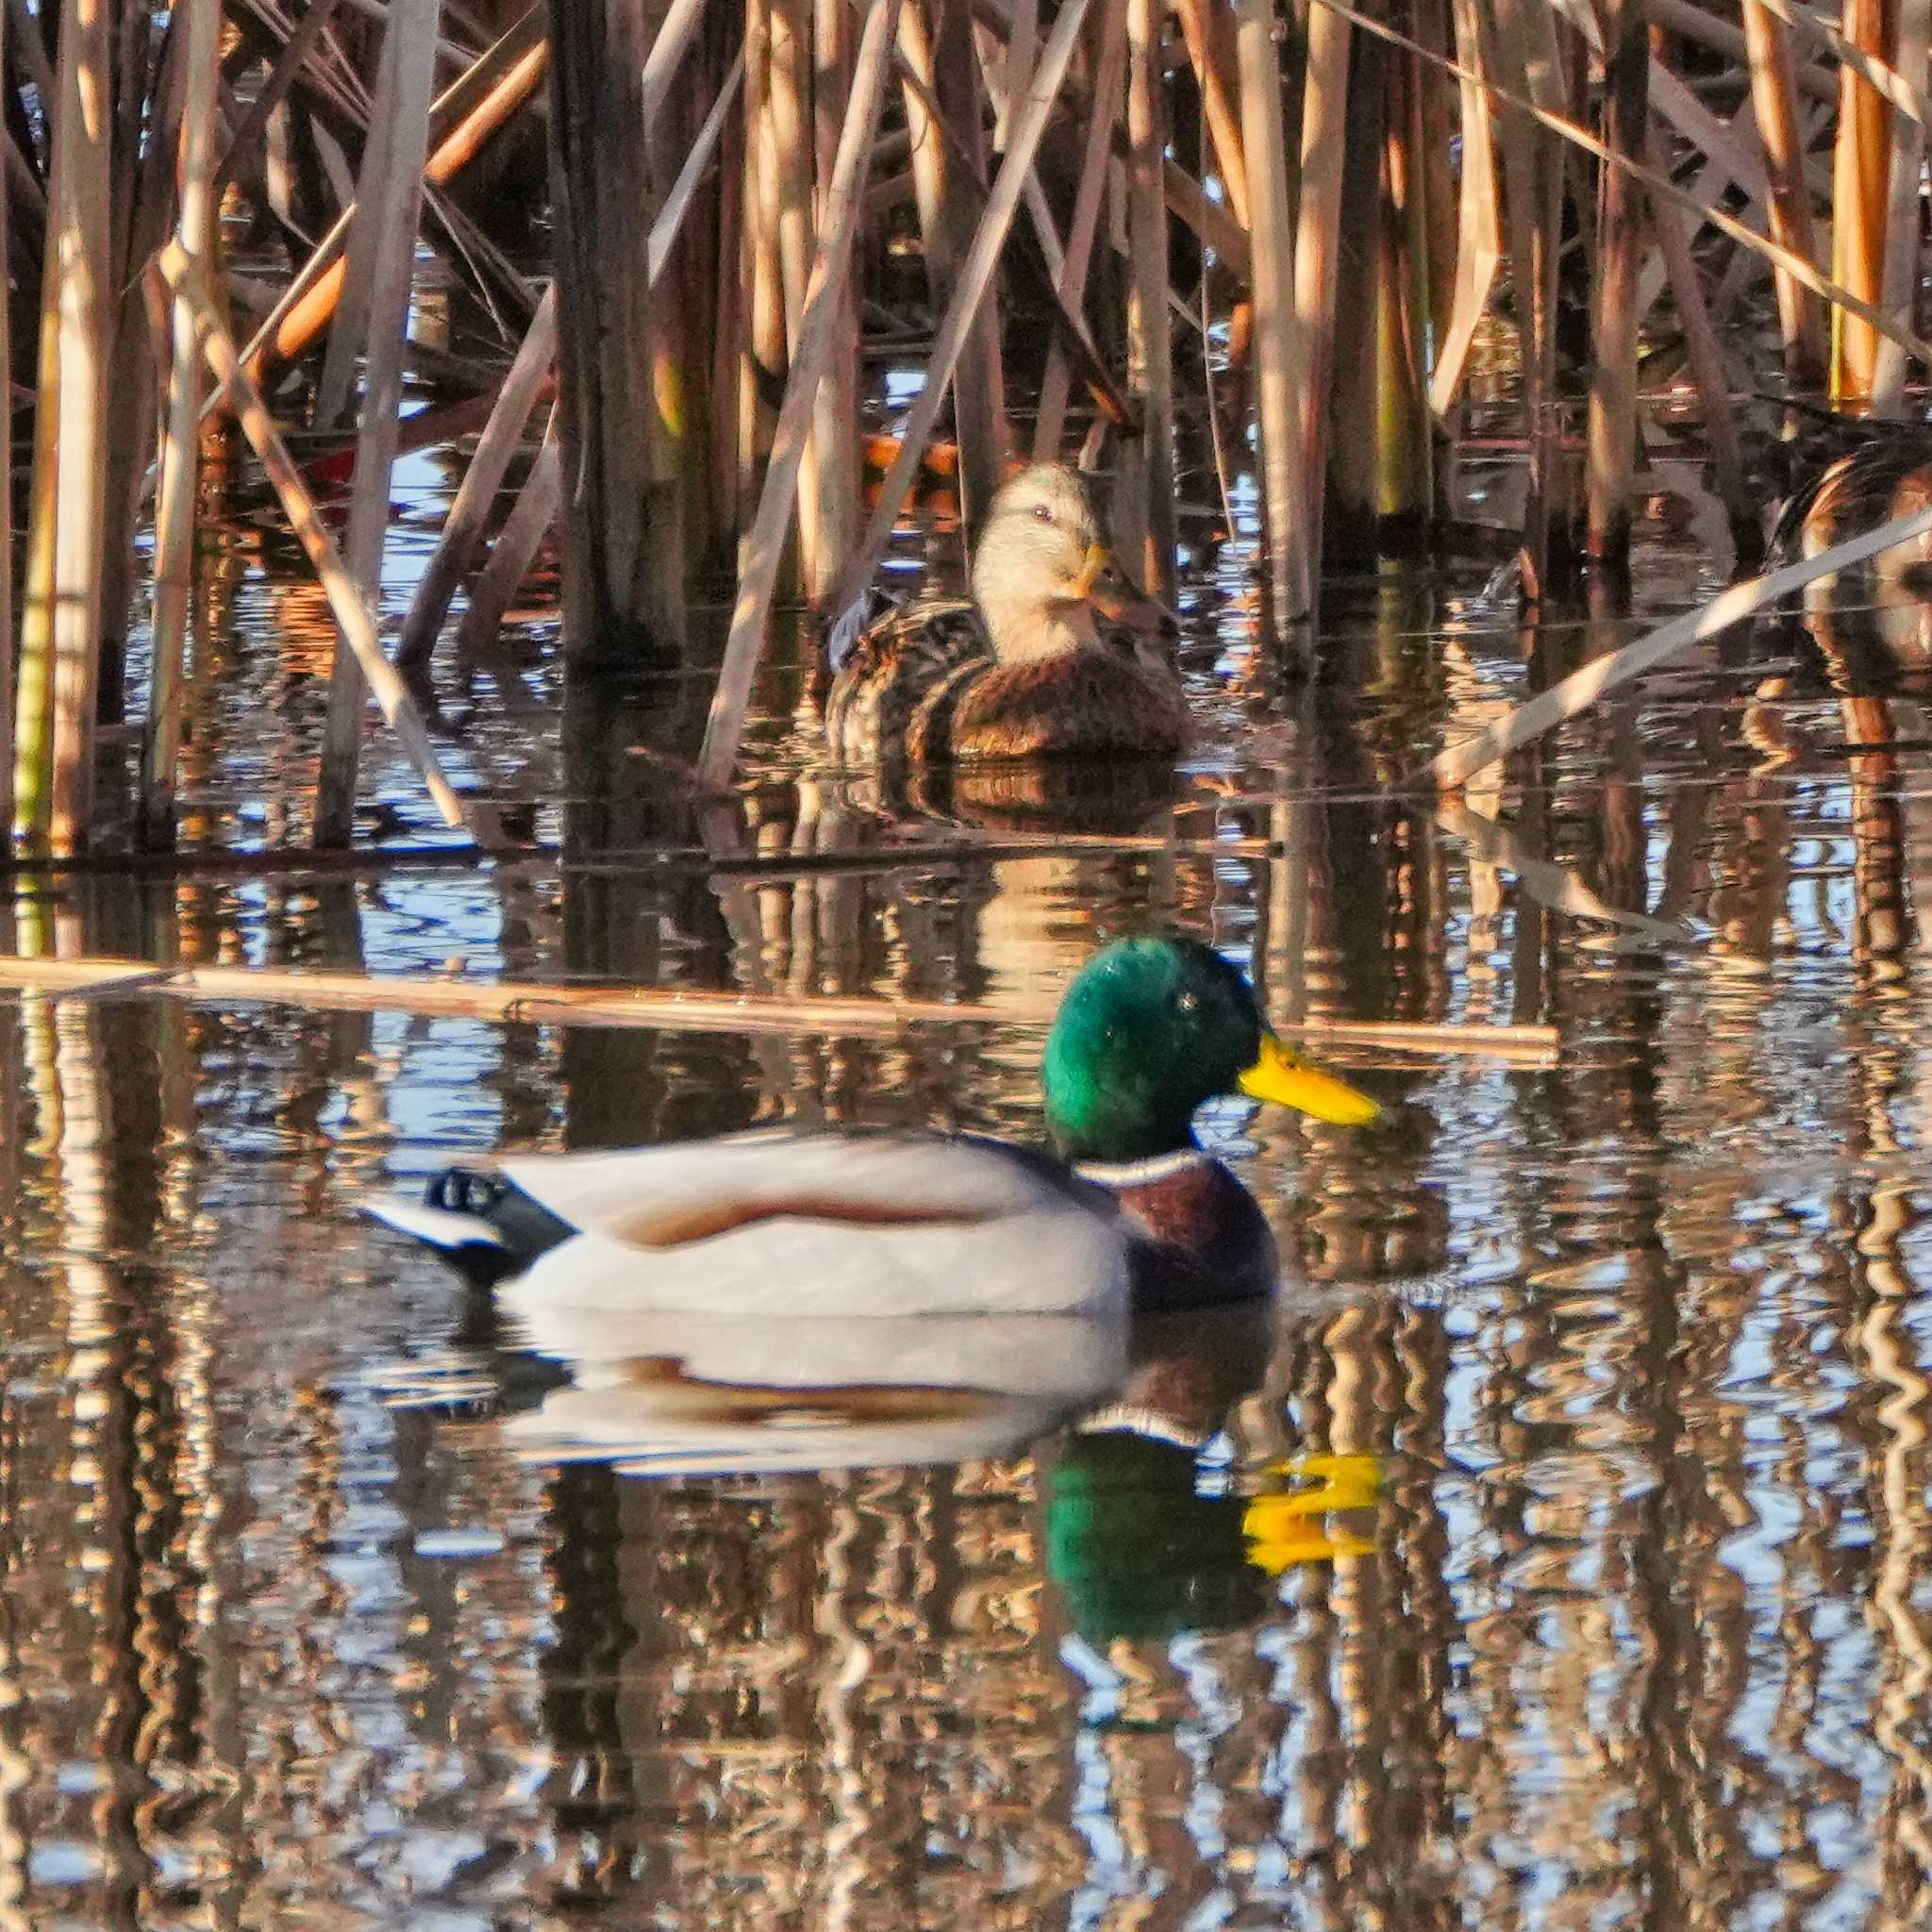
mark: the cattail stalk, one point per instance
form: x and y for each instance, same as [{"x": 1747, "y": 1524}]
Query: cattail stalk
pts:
[
  {"x": 181, "y": 446},
  {"x": 390, "y": 192}
]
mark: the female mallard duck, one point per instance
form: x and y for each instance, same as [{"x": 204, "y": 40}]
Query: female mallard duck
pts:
[
  {"x": 1871, "y": 622},
  {"x": 1023, "y": 669},
  {"x": 1127, "y": 1207}
]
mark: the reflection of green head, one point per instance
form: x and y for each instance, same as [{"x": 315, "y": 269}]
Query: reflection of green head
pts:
[
  {"x": 1137, "y": 1551},
  {"x": 1150, "y": 1028}
]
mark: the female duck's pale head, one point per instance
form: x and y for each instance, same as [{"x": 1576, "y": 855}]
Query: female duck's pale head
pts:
[
  {"x": 1150, "y": 1029},
  {"x": 1039, "y": 560}
]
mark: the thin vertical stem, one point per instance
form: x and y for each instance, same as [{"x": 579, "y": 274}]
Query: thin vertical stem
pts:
[
  {"x": 1107, "y": 56},
  {"x": 1148, "y": 475},
  {"x": 7, "y": 649},
  {"x": 392, "y": 191},
  {"x": 78, "y": 240},
  {"x": 1775, "y": 102},
  {"x": 1278, "y": 355},
  {"x": 1611, "y": 436},
  {"x": 834, "y": 455},
  {"x": 1860, "y": 167},
  {"x": 823, "y": 299},
  {"x": 1902, "y": 254},
  {"x": 976, "y": 274},
  {"x": 180, "y": 446}
]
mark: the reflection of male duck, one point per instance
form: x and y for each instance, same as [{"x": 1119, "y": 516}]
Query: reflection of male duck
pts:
[
  {"x": 679, "y": 1395},
  {"x": 1140, "y": 1548}
]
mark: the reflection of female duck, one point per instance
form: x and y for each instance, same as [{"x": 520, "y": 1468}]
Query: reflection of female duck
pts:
[
  {"x": 876, "y": 1224},
  {"x": 1872, "y": 621},
  {"x": 1022, "y": 668}
]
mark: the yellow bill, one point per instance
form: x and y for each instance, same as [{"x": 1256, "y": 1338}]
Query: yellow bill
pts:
[
  {"x": 1092, "y": 570},
  {"x": 1289, "y": 1080}
]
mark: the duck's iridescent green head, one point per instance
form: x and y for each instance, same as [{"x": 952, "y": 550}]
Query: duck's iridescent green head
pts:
[{"x": 1151, "y": 1028}]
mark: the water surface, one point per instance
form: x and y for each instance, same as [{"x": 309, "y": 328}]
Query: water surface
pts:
[{"x": 1552, "y": 1553}]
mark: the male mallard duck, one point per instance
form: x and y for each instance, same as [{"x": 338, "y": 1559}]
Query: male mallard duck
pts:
[
  {"x": 1128, "y": 1205},
  {"x": 1021, "y": 670}
]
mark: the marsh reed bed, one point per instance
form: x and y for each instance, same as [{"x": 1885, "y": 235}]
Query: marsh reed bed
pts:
[{"x": 1177, "y": 241}]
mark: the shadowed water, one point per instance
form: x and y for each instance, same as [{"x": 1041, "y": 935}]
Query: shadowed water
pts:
[{"x": 1553, "y": 1554}]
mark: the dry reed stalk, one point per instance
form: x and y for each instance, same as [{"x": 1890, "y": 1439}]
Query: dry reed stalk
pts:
[
  {"x": 1702, "y": 346},
  {"x": 1532, "y": 207},
  {"x": 727, "y": 309},
  {"x": 1069, "y": 331},
  {"x": 1611, "y": 432},
  {"x": 835, "y": 421},
  {"x": 818, "y": 332},
  {"x": 1775, "y": 102},
  {"x": 1278, "y": 355},
  {"x": 462, "y": 529},
  {"x": 674, "y": 1009},
  {"x": 1912, "y": 30},
  {"x": 1661, "y": 186},
  {"x": 1704, "y": 28},
  {"x": 1144, "y": 500},
  {"x": 514, "y": 69},
  {"x": 1107, "y": 51},
  {"x": 621, "y": 422},
  {"x": 794, "y": 142},
  {"x": 1208, "y": 34},
  {"x": 1860, "y": 170},
  {"x": 1317, "y": 274},
  {"x": 27, "y": 42},
  {"x": 941, "y": 73},
  {"x": 61, "y": 622},
  {"x": 761, "y": 367},
  {"x": 1479, "y": 237},
  {"x": 668, "y": 45},
  {"x": 515, "y": 548},
  {"x": 287, "y": 64},
  {"x": 345, "y": 600},
  {"x": 380, "y": 263},
  {"x": 1577, "y": 693},
  {"x": 1405, "y": 496},
  {"x": 6, "y": 645},
  {"x": 173, "y": 568},
  {"x": 145, "y": 197},
  {"x": 1002, "y": 203}
]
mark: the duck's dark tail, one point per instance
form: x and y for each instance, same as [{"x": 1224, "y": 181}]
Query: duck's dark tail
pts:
[{"x": 486, "y": 1227}]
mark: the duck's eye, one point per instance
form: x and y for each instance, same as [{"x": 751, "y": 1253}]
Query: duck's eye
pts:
[
  {"x": 1187, "y": 1002},
  {"x": 1044, "y": 511}
]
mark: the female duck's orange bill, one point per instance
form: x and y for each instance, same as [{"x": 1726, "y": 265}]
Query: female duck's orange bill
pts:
[{"x": 1288, "y": 1079}]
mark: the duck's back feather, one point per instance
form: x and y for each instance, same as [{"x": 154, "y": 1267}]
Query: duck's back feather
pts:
[
  {"x": 841, "y": 1223},
  {"x": 894, "y": 670},
  {"x": 924, "y": 683}
]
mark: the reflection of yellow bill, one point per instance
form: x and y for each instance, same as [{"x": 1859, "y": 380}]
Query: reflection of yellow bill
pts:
[
  {"x": 1279, "y": 1528},
  {"x": 1289, "y": 1080}
]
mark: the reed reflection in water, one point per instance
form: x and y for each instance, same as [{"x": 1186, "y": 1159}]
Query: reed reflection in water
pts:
[{"x": 1554, "y": 1553}]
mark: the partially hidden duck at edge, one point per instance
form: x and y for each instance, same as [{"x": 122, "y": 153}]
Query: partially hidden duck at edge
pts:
[
  {"x": 1031, "y": 666},
  {"x": 1128, "y": 1209}
]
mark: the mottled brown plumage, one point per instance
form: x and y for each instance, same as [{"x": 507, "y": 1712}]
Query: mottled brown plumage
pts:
[
  {"x": 1871, "y": 622},
  {"x": 1023, "y": 669}
]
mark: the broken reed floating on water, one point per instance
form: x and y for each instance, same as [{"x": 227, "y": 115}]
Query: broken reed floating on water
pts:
[
  {"x": 735, "y": 187},
  {"x": 674, "y": 1009}
]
